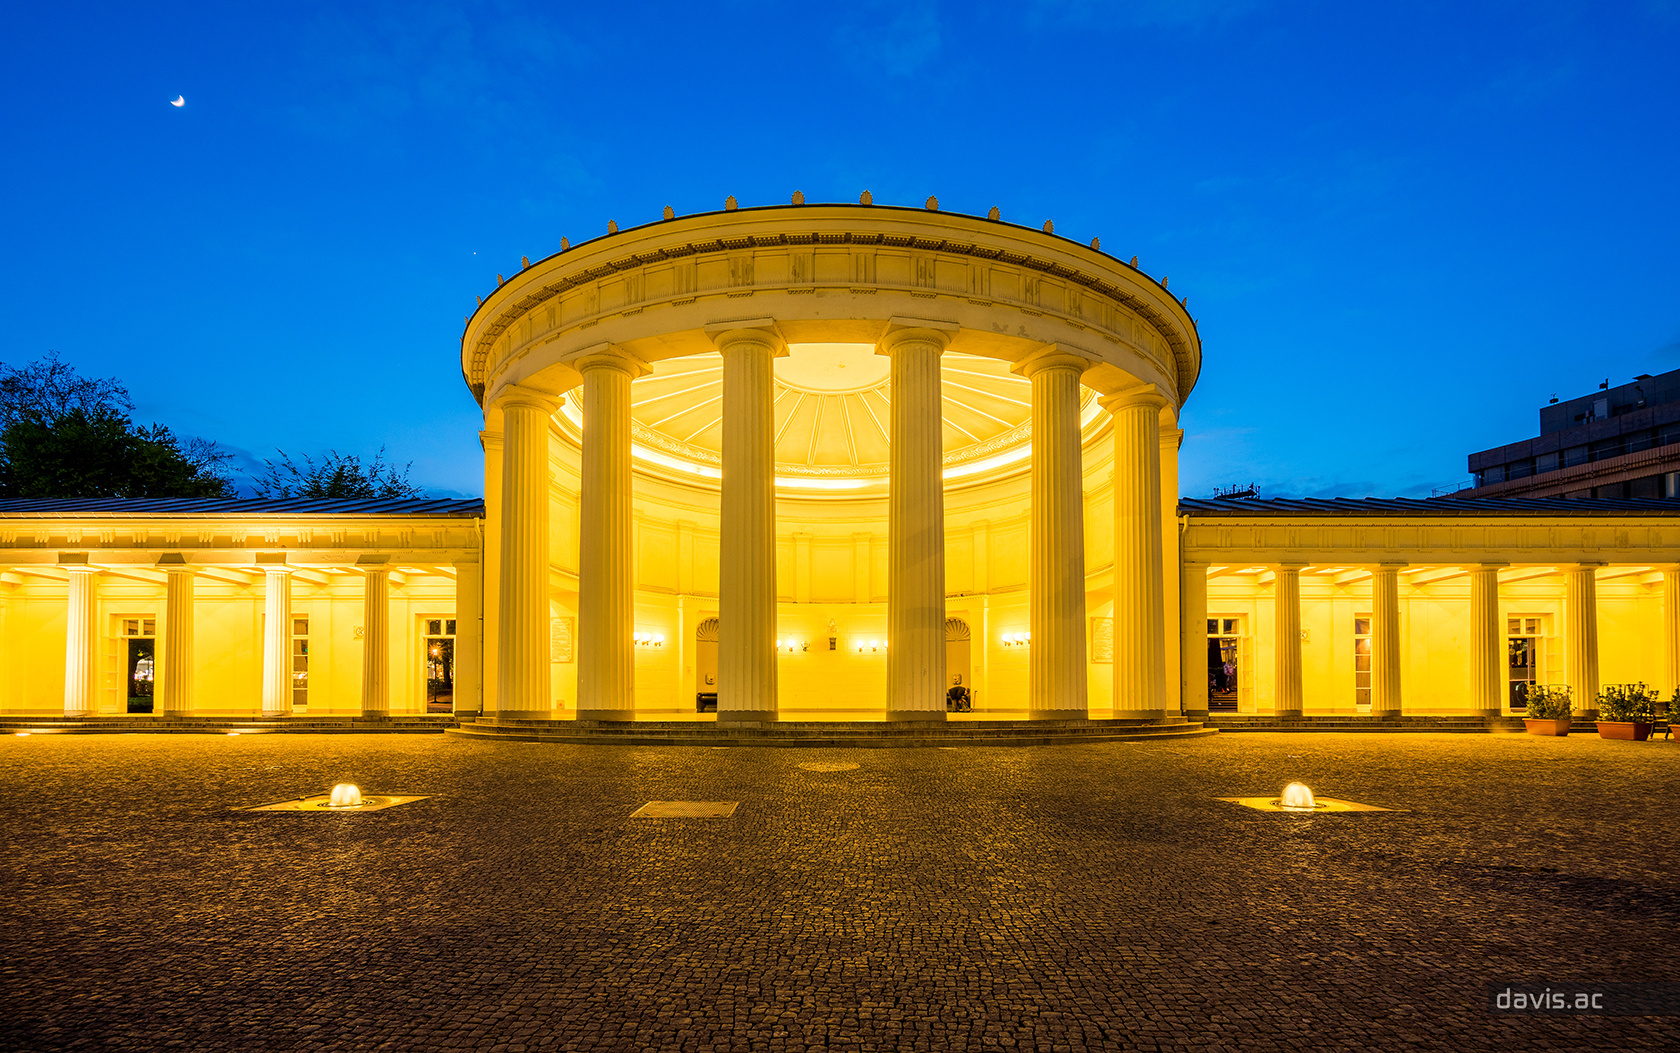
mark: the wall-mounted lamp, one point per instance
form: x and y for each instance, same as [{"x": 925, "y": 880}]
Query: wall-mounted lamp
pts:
[
  {"x": 790, "y": 645},
  {"x": 875, "y": 646},
  {"x": 1017, "y": 639},
  {"x": 648, "y": 639}
]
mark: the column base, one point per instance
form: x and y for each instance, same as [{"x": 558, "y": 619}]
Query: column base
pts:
[
  {"x": 759, "y": 716},
  {"x": 1196, "y": 714},
  {"x": 606, "y": 714},
  {"x": 522, "y": 714},
  {"x": 904, "y": 715},
  {"x": 1139, "y": 714},
  {"x": 1058, "y": 714},
  {"x": 1293, "y": 714}
]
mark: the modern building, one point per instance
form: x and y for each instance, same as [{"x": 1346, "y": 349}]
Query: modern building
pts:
[
  {"x": 830, "y": 462},
  {"x": 1616, "y": 442}
]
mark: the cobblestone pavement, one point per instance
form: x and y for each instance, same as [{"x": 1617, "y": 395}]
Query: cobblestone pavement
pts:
[{"x": 1057, "y": 898}]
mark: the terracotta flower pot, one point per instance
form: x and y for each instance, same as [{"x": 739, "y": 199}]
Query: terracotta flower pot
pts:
[
  {"x": 1619, "y": 729},
  {"x": 1546, "y": 727}
]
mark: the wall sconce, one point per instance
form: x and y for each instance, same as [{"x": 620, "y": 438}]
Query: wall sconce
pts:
[
  {"x": 875, "y": 646},
  {"x": 1017, "y": 639},
  {"x": 648, "y": 639},
  {"x": 790, "y": 645}
]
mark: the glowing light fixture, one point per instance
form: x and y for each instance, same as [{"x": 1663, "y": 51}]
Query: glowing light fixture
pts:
[
  {"x": 1297, "y": 798},
  {"x": 1017, "y": 639},
  {"x": 648, "y": 639},
  {"x": 345, "y": 795}
]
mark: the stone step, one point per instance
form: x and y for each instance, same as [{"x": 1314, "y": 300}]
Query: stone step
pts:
[
  {"x": 144, "y": 725},
  {"x": 865, "y": 734}
]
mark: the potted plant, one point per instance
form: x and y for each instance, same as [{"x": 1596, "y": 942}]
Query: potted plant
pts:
[
  {"x": 1548, "y": 710},
  {"x": 1626, "y": 711}
]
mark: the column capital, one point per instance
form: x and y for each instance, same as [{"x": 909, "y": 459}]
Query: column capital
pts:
[
  {"x": 519, "y": 396},
  {"x": 1142, "y": 396},
  {"x": 749, "y": 331},
  {"x": 916, "y": 331},
  {"x": 1050, "y": 356},
  {"x": 1295, "y": 565},
  {"x": 609, "y": 356},
  {"x": 172, "y": 561},
  {"x": 489, "y": 440},
  {"x": 1390, "y": 564},
  {"x": 1493, "y": 566}
]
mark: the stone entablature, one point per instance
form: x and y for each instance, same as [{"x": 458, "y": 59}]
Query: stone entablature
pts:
[
  {"x": 653, "y": 289},
  {"x": 210, "y": 540},
  {"x": 1368, "y": 540}
]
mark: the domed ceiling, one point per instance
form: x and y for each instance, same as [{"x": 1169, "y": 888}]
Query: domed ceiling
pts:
[{"x": 832, "y": 415}]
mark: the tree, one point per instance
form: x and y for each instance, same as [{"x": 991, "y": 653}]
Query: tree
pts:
[
  {"x": 65, "y": 435},
  {"x": 334, "y": 475}
]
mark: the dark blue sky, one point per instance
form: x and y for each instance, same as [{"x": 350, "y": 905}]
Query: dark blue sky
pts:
[{"x": 1402, "y": 226}]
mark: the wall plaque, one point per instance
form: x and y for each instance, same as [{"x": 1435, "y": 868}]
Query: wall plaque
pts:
[
  {"x": 560, "y": 639},
  {"x": 1102, "y": 640}
]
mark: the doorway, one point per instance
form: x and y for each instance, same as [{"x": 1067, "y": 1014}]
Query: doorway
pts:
[
  {"x": 139, "y": 642},
  {"x": 959, "y": 691},
  {"x": 439, "y": 653},
  {"x": 1224, "y": 664},
  {"x": 1523, "y": 650}
]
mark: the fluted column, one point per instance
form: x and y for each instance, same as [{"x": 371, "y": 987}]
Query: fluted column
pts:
[
  {"x": 376, "y": 641},
  {"x": 522, "y": 674},
  {"x": 1581, "y": 637},
  {"x": 1171, "y": 586},
  {"x": 175, "y": 676},
  {"x": 747, "y": 555},
  {"x": 490, "y": 593},
  {"x": 1671, "y": 630},
  {"x": 1139, "y": 613},
  {"x": 1385, "y": 640},
  {"x": 606, "y": 578},
  {"x": 469, "y": 638},
  {"x": 80, "y": 631},
  {"x": 1193, "y": 640},
  {"x": 1286, "y": 621},
  {"x": 1488, "y": 647},
  {"x": 1056, "y": 678},
  {"x": 277, "y": 642},
  {"x": 916, "y": 527}
]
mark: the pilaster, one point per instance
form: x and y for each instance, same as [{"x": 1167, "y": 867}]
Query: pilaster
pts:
[
  {"x": 376, "y": 641},
  {"x": 277, "y": 641},
  {"x": 1385, "y": 640},
  {"x": 1488, "y": 647},
  {"x": 1286, "y": 619},
  {"x": 80, "y": 631},
  {"x": 1581, "y": 637},
  {"x": 175, "y": 676}
]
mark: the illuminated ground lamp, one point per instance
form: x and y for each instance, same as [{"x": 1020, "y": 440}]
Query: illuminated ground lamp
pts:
[
  {"x": 1299, "y": 800},
  {"x": 344, "y": 797}
]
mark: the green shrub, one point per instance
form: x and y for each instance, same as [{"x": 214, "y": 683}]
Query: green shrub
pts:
[
  {"x": 1627, "y": 703},
  {"x": 1548, "y": 702}
]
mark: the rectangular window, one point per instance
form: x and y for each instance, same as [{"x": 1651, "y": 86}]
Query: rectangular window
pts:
[
  {"x": 1546, "y": 462},
  {"x": 1574, "y": 455},
  {"x": 300, "y": 663},
  {"x": 440, "y": 665},
  {"x": 135, "y": 627},
  {"x": 1362, "y": 661}
]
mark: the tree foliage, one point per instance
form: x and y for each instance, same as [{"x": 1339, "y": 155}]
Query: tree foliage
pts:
[
  {"x": 334, "y": 475},
  {"x": 65, "y": 435}
]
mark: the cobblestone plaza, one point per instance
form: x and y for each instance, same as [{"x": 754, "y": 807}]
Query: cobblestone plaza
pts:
[{"x": 1058, "y": 898}]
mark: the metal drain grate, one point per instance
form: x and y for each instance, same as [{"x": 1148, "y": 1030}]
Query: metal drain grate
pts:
[
  {"x": 818, "y": 765},
  {"x": 1323, "y": 805},
  {"x": 686, "y": 810}
]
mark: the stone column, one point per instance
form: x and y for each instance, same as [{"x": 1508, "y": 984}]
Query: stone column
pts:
[
  {"x": 1488, "y": 647},
  {"x": 80, "y": 630},
  {"x": 175, "y": 677},
  {"x": 916, "y": 526},
  {"x": 489, "y": 608},
  {"x": 1286, "y": 621},
  {"x": 277, "y": 642},
  {"x": 522, "y": 674},
  {"x": 469, "y": 638},
  {"x": 1671, "y": 631},
  {"x": 376, "y": 642},
  {"x": 606, "y": 578},
  {"x": 1056, "y": 663},
  {"x": 1139, "y": 613},
  {"x": 1385, "y": 640},
  {"x": 747, "y": 556},
  {"x": 1581, "y": 637},
  {"x": 1193, "y": 638},
  {"x": 1171, "y": 598}
]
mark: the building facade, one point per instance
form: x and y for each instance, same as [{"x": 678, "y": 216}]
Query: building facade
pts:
[
  {"x": 831, "y": 462},
  {"x": 1621, "y": 442}
]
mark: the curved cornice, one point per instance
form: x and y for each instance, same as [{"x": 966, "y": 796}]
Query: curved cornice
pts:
[{"x": 837, "y": 248}]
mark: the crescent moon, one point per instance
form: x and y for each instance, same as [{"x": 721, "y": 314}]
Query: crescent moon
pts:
[{"x": 179, "y": 100}]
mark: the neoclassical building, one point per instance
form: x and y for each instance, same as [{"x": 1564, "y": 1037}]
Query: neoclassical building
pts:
[{"x": 832, "y": 462}]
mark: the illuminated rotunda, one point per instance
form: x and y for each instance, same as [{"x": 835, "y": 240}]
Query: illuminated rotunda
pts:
[{"x": 833, "y": 463}]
